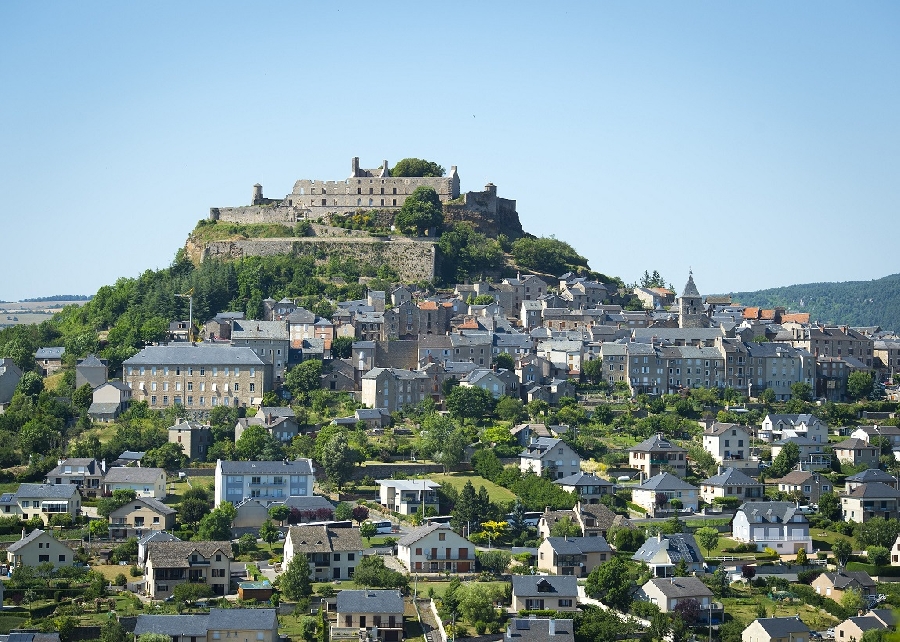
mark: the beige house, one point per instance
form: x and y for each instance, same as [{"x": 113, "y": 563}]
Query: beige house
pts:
[
  {"x": 550, "y": 454},
  {"x": 667, "y": 592},
  {"x": 333, "y": 553},
  {"x": 855, "y": 451},
  {"x": 393, "y": 388},
  {"x": 172, "y": 563},
  {"x": 657, "y": 454},
  {"x": 731, "y": 482},
  {"x": 810, "y": 484},
  {"x": 194, "y": 439},
  {"x": 436, "y": 548},
  {"x": 776, "y": 629},
  {"x": 871, "y": 500},
  {"x": 42, "y": 500},
  {"x": 544, "y": 592},
  {"x": 378, "y": 612},
  {"x": 109, "y": 401},
  {"x": 38, "y": 547},
  {"x": 197, "y": 376},
  {"x": 240, "y": 625},
  {"x": 664, "y": 492},
  {"x": 852, "y": 629},
  {"x": 834, "y": 585},
  {"x": 139, "y": 517},
  {"x": 576, "y": 556},
  {"x": 145, "y": 482}
]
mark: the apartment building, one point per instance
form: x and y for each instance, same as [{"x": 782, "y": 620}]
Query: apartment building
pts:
[{"x": 236, "y": 481}]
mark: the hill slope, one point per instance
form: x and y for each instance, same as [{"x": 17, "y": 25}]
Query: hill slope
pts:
[{"x": 856, "y": 303}]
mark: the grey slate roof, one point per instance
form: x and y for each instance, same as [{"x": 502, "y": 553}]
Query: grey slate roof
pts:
[
  {"x": 843, "y": 579},
  {"x": 581, "y": 479},
  {"x": 540, "y": 585},
  {"x": 47, "y": 491},
  {"x": 679, "y": 546},
  {"x": 308, "y": 503},
  {"x": 874, "y": 490},
  {"x": 321, "y": 539},
  {"x": 201, "y": 354},
  {"x": 656, "y": 442},
  {"x": 153, "y": 504},
  {"x": 418, "y": 533},
  {"x": 666, "y": 481},
  {"x": 158, "y": 536},
  {"x": 370, "y": 601},
  {"x": 681, "y": 587},
  {"x": 50, "y": 353},
  {"x": 175, "y": 554},
  {"x": 198, "y": 625},
  {"x": 872, "y": 475},
  {"x": 578, "y": 545},
  {"x": 782, "y": 627},
  {"x": 770, "y": 512},
  {"x": 296, "y": 467},
  {"x": 33, "y": 535},
  {"x": 103, "y": 408},
  {"x": 133, "y": 475},
  {"x": 731, "y": 477},
  {"x": 521, "y": 629},
  {"x": 273, "y": 330}
]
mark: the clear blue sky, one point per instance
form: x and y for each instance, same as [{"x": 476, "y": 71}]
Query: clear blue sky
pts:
[{"x": 756, "y": 143}]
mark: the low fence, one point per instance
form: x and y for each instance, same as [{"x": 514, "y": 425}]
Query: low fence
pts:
[{"x": 440, "y": 624}]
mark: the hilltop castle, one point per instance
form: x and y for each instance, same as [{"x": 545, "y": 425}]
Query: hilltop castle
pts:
[{"x": 376, "y": 189}]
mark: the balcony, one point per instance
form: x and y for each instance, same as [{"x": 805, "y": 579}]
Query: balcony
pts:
[
  {"x": 444, "y": 557},
  {"x": 199, "y": 562}
]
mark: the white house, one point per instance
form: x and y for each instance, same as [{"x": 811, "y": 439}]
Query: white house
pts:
[
  {"x": 776, "y": 525},
  {"x": 549, "y": 453},
  {"x": 803, "y": 425},
  {"x": 407, "y": 496},
  {"x": 662, "y": 491},
  {"x": 145, "y": 482},
  {"x": 436, "y": 548},
  {"x": 728, "y": 444},
  {"x": 275, "y": 480}
]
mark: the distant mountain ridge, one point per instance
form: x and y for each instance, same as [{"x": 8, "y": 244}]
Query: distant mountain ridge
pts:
[{"x": 854, "y": 303}]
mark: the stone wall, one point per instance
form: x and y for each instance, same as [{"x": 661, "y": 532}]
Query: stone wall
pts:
[
  {"x": 487, "y": 213},
  {"x": 412, "y": 259},
  {"x": 256, "y": 214}
]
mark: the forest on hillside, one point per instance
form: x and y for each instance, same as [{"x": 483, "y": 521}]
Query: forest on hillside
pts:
[{"x": 855, "y": 303}]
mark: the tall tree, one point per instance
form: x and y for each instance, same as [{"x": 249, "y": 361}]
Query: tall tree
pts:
[
  {"x": 422, "y": 210},
  {"x": 294, "y": 582},
  {"x": 337, "y": 460}
]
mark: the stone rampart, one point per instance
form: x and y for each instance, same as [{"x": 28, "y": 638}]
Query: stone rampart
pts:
[
  {"x": 413, "y": 260},
  {"x": 486, "y": 212},
  {"x": 256, "y": 214}
]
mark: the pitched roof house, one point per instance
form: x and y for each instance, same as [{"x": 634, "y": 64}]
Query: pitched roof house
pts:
[
  {"x": 661, "y": 492},
  {"x": 867, "y": 501},
  {"x": 379, "y": 612},
  {"x": 834, "y": 585},
  {"x": 731, "y": 482},
  {"x": 664, "y": 552},
  {"x": 656, "y": 454},
  {"x": 544, "y": 592},
  {"x": 776, "y": 525},
  {"x": 576, "y": 556},
  {"x": 333, "y": 553},
  {"x": 552, "y": 454}
]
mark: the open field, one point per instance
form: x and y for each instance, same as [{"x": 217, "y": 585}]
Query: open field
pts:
[{"x": 458, "y": 480}]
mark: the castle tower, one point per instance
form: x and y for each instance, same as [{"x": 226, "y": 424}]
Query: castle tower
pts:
[
  {"x": 690, "y": 306},
  {"x": 257, "y": 195}
]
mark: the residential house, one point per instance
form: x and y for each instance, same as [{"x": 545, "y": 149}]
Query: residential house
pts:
[
  {"x": 91, "y": 371},
  {"x": 169, "y": 564},
  {"x": 868, "y": 501},
  {"x": 593, "y": 519},
  {"x": 576, "y": 556},
  {"x": 544, "y": 592},
  {"x": 276, "y": 480},
  {"x": 193, "y": 437},
  {"x": 532, "y": 629},
  {"x": 869, "y": 476},
  {"x": 42, "y": 500},
  {"x": 890, "y": 433},
  {"x": 665, "y": 492},
  {"x": 550, "y": 454},
  {"x": 408, "y": 496},
  {"x": 268, "y": 339},
  {"x": 109, "y": 400},
  {"x": 810, "y": 484},
  {"x": 664, "y": 552},
  {"x": 38, "y": 547},
  {"x": 378, "y": 612},
  {"x": 219, "y": 624},
  {"x": 731, "y": 482},
  {"x": 776, "y": 366},
  {"x": 393, "y": 388},
  {"x": 49, "y": 360},
  {"x": 10, "y": 374},
  {"x": 84, "y": 473},
  {"x": 668, "y": 592},
  {"x": 435, "y": 548},
  {"x": 855, "y": 451},
  {"x": 588, "y": 486},
  {"x": 486, "y": 380},
  {"x": 776, "y": 525},
  {"x": 281, "y": 424},
  {"x": 776, "y": 629},
  {"x": 152, "y": 536},
  {"x": 812, "y": 453},
  {"x": 333, "y": 553},
  {"x": 834, "y": 585},
  {"x": 29, "y": 635},
  {"x": 219, "y": 327},
  {"x": 802, "y": 425},
  {"x": 729, "y": 444},
  {"x": 139, "y": 516},
  {"x": 145, "y": 482},
  {"x": 197, "y": 376},
  {"x": 854, "y": 628},
  {"x": 657, "y": 454}
]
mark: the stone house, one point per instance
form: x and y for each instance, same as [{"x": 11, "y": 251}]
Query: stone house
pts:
[
  {"x": 268, "y": 339},
  {"x": 10, "y": 374},
  {"x": 657, "y": 454},
  {"x": 333, "y": 553},
  {"x": 731, "y": 482},
  {"x": 776, "y": 525},
  {"x": 152, "y": 536},
  {"x": 550, "y": 454},
  {"x": 236, "y": 481},
  {"x": 855, "y": 451},
  {"x": 378, "y": 612},
  {"x": 661, "y": 491},
  {"x": 593, "y": 519},
  {"x": 408, "y": 496},
  {"x": 576, "y": 556},
  {"x": 260, "y": 625},
  {"x": 110, "y": 399},
  {"x": 193, "y": 437},
  {"x": 811, "y": 484},
  {"x": 486, "y": 380},
  {"x": 49, "y": 360},
  {"x": 219, "y": 327},
  {"x": 169, "y": 564},
  {"x": 436, "y": 548},
  {"x": 393, "y": 388},
  {"x": 38, "y": 547},
  {"x": 281, "y": 425},
  {"x": 664, "y": 552},
  {"x": 84, "y": 473},
  {"x": 834, "y": 585},
  {"x": 776, "y": 629},
  {"x": 42, "y": 500},
  {"x": 91, "y": 371},
  {"x": 339, "y": 375},
  {"x": 544, "y": 592},
  {"x": 667, "y": 592},
  {"x": 868, "y": 501},
  {"x": 197, "y": 376},
  {"x": 145, "y": 482},
  {"x": 139, "y": 516},
  {"x": 854, "y": 628}
]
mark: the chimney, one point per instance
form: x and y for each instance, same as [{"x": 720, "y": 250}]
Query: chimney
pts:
[
  {"x": 659, "y": 536},
  {"x": 551, "y": 627},
  {"x": 23, "y": 532}
]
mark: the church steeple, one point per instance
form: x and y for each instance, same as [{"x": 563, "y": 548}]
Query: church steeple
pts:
[
  {"x": 690, "y": 289},
  {"x": 690, "y": 305}
]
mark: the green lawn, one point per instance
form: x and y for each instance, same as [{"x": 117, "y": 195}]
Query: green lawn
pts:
[
  {"x": 440, "y": 587},
  {"x": 458, "y": 480},
  {"x": 744, "y": 607}
]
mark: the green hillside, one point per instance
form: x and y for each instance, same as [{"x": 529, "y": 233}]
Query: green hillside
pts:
[{"x": 856, "y": 303}]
